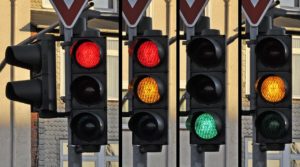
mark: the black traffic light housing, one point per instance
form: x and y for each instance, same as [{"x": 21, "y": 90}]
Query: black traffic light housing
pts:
[
  {"x": 149, "y": 84},
  {"x": 89, "y": 92},
  {"x": 40, "y": 90},
  {"x": 206, "y": 87},
  {"x": 89, "y": 130},
  {"x": 273, "y": 118},
  {"x": 158, "y": 72}
]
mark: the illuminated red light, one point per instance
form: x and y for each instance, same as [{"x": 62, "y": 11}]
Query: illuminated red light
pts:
[
  {"x": 88, "y": 54},
  {"x": 148, "y": 54}
]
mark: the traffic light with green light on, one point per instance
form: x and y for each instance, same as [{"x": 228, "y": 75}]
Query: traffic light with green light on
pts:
[
  {"x": 40, "y": 90},
  {"x": 149, "y": 71},
  {"x": 89, "y": 93},
  {"x": 206, "y": 88},
  {"x": 273, "y": 118}
]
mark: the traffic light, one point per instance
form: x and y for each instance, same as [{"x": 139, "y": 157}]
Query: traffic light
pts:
[
  {"x": 89, "y": 93},
  {"x": 149, "y": 71},
  {"x": 274, "y": 90},
  {"x": 40, "y": 90},
  {"x": 206, "y": 87}
]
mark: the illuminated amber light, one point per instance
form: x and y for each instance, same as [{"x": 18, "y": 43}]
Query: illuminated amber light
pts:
[
  {"x": 147, "y": 90},
  {"x": 273, "y": 89}
]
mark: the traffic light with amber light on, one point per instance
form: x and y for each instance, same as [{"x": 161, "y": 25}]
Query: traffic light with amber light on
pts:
[
  {"x": 40, "y": 90},
  {"x": 206, "y": 88},
  {"x": 274, "y": 90},
  {"x": 89, "y": 93},
  {"x": 149, "y": 71}
]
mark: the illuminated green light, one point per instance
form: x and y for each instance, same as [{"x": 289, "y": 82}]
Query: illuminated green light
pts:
[{"x": 205, "y": 126}]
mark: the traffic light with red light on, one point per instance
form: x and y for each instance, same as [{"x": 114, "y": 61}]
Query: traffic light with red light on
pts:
[
  {"x": 89, "y": 93},
  {"x": 206, "y": 89},
  {"x": 149, "y": 71},
  {"x": 40, "y": 90},
  {"x": 274, "y": 90}
]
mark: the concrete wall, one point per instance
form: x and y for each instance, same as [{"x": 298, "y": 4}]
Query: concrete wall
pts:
[{"x": 14, "y": 124}]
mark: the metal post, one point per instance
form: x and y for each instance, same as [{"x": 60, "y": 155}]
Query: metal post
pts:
[
  {"x": 259, "y": 157},
  {"x": 190, "y": 31},
  {"x": 253, "y": 35},
  {"x": 74, "y": 158},
  {"x": 197, "y": 158},
  {"x": 132, "y": 32},
  {"x": 139, "y": 158}
]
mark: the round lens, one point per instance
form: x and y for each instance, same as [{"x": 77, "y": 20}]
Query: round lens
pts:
[
  {"x": 272, "y": 125},
  {"x": 273, "y": 89},
  {"x": 87, "y": 127},
  {"x": 271, "y": 52},
  {"x": 147, "y": 90},
  {"x": 204, "y": 52},
  {"x": 88, "y": 55},
  {"x": 86, "y": 90},
  {"x": 148, "y": 54},
  {"x": 204, "y": 89},
  {"x": 206, "y": 127},
  {"x": 147, "y": 126}
]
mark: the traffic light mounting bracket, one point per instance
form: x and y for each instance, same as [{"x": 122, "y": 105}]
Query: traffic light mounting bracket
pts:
[
  {"x": 150, "y": 148},
  {"x": 208, "y": 148},
  {"x": 271, "y": 147}
]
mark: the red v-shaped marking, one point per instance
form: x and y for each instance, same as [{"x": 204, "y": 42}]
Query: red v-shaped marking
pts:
[
  {"x": 255, "y": 13},
  {"x": 68, "y": 15},
  {"x": 133, "y": 13},
  {"x": 192, "y": 13}
]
